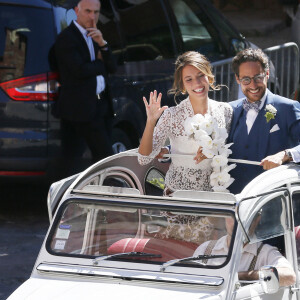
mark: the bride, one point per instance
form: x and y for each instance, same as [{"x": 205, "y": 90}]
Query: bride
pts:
[{"x": 193, "y": 77}]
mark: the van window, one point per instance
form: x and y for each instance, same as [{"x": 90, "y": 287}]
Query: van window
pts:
[
  {"x": 197, "y": 32},
  {"x": 146, "y": 38},
  {"x": 26, "y": 35}
]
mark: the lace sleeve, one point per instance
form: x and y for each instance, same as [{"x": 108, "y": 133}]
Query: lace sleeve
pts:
[
  {"x": 228, "y": 112},
  {"x": 161, "y": 133}
]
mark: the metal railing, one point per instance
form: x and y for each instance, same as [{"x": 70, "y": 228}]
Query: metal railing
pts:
[
  {"x": 285, "y": 59},
  {"x": 284, "y": 73},
  {"x": 224, "y": 76}
]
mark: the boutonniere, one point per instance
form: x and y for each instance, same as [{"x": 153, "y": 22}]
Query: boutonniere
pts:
[{"x": 271, "y": 112}]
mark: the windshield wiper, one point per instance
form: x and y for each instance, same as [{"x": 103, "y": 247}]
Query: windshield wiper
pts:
[
  {"x": 185, "y": 259},
  {"x": 125, "y": 254}
]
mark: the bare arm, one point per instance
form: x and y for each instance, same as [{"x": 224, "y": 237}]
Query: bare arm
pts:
[
  {"x": 273, "y": 161},
  {"x": 154, "y": 111},
  {"x": 287, "y": 276}
]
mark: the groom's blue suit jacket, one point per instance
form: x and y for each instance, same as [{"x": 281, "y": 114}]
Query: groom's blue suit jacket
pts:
[{"x": 263, "y": 139}]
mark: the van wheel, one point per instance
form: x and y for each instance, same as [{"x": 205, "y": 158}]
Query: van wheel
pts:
[{"x": 120, "y": 141}]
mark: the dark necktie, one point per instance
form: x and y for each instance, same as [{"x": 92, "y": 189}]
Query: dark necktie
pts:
[{"x": 249, "y": 105}]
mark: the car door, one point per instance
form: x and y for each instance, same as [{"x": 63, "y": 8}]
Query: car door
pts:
[
  {"x": 269, "y": 222},
  {"x": 295, "y": 239}
]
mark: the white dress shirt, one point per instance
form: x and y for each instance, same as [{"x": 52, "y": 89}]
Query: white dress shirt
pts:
[
  {"x": 252, "y": 114},
  {"x": 268, "y": 255},
  {"x": 89, "y": 41}
]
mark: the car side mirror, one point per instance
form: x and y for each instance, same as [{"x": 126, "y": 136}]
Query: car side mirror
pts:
[{"x": 269, "y": 279}]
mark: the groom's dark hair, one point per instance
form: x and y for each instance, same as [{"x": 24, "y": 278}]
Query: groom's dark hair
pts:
[{"x": 250, "y": 55}]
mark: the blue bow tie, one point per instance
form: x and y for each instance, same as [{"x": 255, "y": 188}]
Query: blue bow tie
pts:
[{"x": 249, "y": 105}]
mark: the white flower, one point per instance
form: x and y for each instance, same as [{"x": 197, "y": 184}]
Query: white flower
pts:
[
  {"x": 198, "y": 134},
  {"x": 211, "y": 138},
  {"x": 188, "y": 127},
  {"x": 206, "y": 142},
  {"x": 218, "y": 143},
  {"x": 270, "y": 112},
  {"x": 221, "y": 134},
  {"x": 229, "y": 168},
  {"x": 198, "y": 118},
  {"x": 221, "y": 179},
  {"x": 270, "y": 108},
  {"x": 209, "y": 153},
  {"x": 224, "y": 151},
  {"x": 219, "y": 161}
]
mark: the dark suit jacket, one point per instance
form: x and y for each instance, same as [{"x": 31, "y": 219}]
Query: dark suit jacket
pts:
[
  {"x": 77, "y": 96},
  {"x": 265, "y": 138}
]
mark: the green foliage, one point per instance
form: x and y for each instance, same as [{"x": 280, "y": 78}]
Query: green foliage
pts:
[
  {"x": 159, "y": 182},
  {"x": 269, "y": 116}
]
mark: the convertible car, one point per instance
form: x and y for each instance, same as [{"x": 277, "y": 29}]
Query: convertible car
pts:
[{"x": 113, "y": 235}]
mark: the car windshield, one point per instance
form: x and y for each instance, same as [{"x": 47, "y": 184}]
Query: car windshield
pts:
[{"x": 140, "y": 233}]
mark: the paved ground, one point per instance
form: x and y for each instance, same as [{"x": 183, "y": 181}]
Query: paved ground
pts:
[{"x": 23, "y": 225}]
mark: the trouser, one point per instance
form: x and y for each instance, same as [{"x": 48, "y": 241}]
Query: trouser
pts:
[{"x": 77, "y": 135}]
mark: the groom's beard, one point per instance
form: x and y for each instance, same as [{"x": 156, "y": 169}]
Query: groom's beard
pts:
[{"x": 254, "y": 94}]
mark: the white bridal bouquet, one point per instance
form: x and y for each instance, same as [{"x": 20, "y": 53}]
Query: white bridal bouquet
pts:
[{"x": 205, "y": 130}]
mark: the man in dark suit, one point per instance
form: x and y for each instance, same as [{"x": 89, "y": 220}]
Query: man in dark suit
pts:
[
  {"x": 265, "y": 127},
  {"x": 84, "y": 59}
]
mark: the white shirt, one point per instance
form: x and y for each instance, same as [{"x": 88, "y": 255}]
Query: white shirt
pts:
[
  {"x": 88, "y": 39},
  {"x": 252, "y": 114},
  {"x": 268, "y": 255}
]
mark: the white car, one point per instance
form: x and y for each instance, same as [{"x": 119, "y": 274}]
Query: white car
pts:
[{"x": 109, "y": 237}]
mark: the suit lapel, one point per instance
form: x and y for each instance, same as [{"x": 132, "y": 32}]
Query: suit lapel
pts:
[
  {"x": 80, "y": 38},
  {"x": 236, "y": 116}
]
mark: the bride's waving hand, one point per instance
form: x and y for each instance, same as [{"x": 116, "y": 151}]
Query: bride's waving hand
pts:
[
  {"x": 153, "y": 111},
  {"x": 153, "y": 108}
]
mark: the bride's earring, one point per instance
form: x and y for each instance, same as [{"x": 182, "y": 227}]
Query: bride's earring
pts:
[{"x": 183, "y": 91}]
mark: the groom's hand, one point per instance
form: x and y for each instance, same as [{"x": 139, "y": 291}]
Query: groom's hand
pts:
[{"x": 273, "y": 161}]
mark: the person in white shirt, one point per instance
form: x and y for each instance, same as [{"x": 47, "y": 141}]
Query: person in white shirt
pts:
[{"x": 254, "y": 257}]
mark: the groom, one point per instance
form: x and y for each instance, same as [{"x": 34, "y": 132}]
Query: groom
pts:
[{"x": 265, "y": 127}]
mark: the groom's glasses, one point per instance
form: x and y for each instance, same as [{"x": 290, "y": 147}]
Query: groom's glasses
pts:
[{"x": 257, "y": 79}]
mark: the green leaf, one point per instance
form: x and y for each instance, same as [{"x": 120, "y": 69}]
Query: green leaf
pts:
[{"x": 269, "y": 116}]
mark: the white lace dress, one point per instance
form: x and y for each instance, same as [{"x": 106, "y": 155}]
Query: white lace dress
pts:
[{"x": 183, "y": 173}]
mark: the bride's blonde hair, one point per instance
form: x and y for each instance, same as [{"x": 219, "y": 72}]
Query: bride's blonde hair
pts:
[{"x": 199, "y": 61}]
